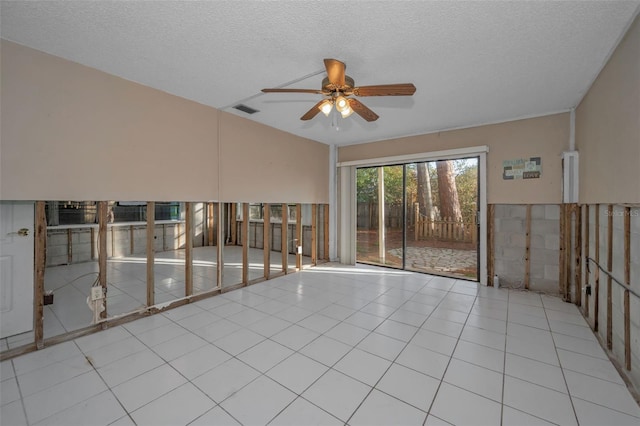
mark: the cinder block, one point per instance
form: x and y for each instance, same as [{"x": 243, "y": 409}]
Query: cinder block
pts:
[
  {"x": 512, "y": 225},
  {"x": 546, "y": 257},
  {"x": 545, "y": 227},
  {"x": 538, "y": 211},
  {"x": 537, "y": 271},
  {"x": 499, "y": 210},
  {"x": 538, "y": 241},
  {"x": 518, "y": 240},
  {"x": 547, "y": 286},
  {"x": 517, "y": 211},
  {"x": 552, "y": 242},
  {"x": 552, "y": 212},
  {"x": 551, "y": 272}
]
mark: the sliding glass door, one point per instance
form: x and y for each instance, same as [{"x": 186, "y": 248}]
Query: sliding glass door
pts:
[{"x": 420, "y": 216}]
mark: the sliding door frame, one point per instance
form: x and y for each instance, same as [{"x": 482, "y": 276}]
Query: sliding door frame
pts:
[{"x": 348, "y": 211}]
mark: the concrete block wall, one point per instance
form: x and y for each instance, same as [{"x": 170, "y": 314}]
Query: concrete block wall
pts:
[
  {"x": 256, "y": 235},
  {"x": 510, "y": 246}
]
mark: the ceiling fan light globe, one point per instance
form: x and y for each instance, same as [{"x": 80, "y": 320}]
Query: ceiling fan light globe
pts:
[
  {"x": 326, "y": 107},
  {"x": 346, "y": 112},
  {"x": 341, "y": 103}
]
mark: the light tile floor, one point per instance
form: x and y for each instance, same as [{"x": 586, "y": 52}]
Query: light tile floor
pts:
[{"x": 331, "y": 345}]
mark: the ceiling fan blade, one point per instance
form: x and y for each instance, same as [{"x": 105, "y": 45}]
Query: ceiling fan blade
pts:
[
  {"x": 404, "y": 89},
  {"x": 335, "y": 71},
  {"x": 277, "y": 90},
  {"x": 364, "y": 112},
  {"x": 312, "y": 112}
]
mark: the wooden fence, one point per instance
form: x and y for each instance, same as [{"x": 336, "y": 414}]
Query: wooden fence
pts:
[{"x": 445, "y": 229}]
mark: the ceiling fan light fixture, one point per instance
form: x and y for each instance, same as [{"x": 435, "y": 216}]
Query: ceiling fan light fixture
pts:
[
  {"x": 326, "y": 107},
  {"x": 341, "y": 103},
  {"x": 346, "y": 112}
]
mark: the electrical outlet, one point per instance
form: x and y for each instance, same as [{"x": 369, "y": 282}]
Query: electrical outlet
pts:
[
  {"x": 96, "y": 293},
  {"x": 299, "y": 249}
]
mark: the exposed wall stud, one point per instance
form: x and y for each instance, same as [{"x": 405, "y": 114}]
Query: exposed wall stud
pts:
[
  {"x": 151, "y": 249},
  {"x": 220, "y": 244},
  {"x": 561, "y": 249},
  {"x": 490, "y": 243},
  {"x": 314, "y": 234},
  {"x": 627, "y": 281},
  {"x": 69, "y": 246},
  {"x": 266, "y": 240},
  {"x": 578, "y": 255},
  {"x": 188, "y": 249},
  {"x": 40, "y": 265},
  {"x": 131, "y": 243},
  {"x": 284, "y": 246},
  {"x": 325, "y": 232},
  {"x": 586, "y": 256},
  {"x": 610, "y": 270},
  {"x": 596, "y": 289},
  {"x": 245, "y": 243},
  {"x": 93, "y": 243},
  {"x": 102, "y": 251},
  {"x": 527, "y": 255},
  {"x": 299, "y": 236}
]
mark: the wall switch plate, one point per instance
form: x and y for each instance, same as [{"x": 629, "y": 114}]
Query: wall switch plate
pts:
[
  {"x": 299, "y": 249},
  {"x": 96, "y": 293}
]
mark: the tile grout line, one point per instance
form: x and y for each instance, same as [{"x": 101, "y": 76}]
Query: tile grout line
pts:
[{"x": 504, "y": 360}]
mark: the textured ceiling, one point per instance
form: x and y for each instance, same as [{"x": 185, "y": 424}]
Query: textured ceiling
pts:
[{"x": 472, "y": 62}]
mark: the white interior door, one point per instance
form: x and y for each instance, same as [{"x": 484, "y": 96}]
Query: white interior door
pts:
[{"x": 16, "y": 267}]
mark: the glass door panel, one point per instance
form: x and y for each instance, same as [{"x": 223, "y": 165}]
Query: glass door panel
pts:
[{"x": 380, "y": 217}]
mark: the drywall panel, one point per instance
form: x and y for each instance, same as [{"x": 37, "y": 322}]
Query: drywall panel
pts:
[
  {"x": 545, "y": 137},
  {"x": 608, "y": 128},
  {"x": 70, "y": 132},
  {"x": 260, "y": 163}
]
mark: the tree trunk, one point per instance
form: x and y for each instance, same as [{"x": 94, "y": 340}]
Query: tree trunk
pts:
[
  {"x": 449, "y": 203},
  {"x": 424, "y": 191}
]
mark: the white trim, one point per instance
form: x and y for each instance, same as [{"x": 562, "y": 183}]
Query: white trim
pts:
[{"x": 422, "y": 156}]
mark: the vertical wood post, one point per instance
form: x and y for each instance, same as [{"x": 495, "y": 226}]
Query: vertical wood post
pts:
[
  {"x": 188, "y": 249},
  {"x": 245, "y": 243},
  {"x": 40, "y": 265},
  {"x": 561, "y": 249},
  {"x": 299, "y": 236},
  {"x": 596, "y": 289},
  {"x": 314, "y": 234},
  {"x": 284, "y": 244},
  {"x": 102, "y": 251},
  {"x": 69, "y": 246},
  {"x": 131, "y": 243},
  {"x": 325, "y": 232},
  {"x": 266, "y": 240},
  {"x": 234, "y": 225},
  {"x": 527, "y": 255},
  {"x": 578, "y": 254},
  {"x": 93, "y": 243},
  {"x": 490, "y": 243},
  {"x": 587, "y": 277},
  {"x": 220, "y": 244},
  {"x": 627, "y": 281},
  {"x": 151, "y": 250},
  {"x": 610, "y": 270}
]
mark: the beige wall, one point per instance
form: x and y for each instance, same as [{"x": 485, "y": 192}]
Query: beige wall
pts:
[
  {"x": 69, "y": 132},
  {"x": 608, "y": 128},
  {"x": 545, "y": 137},
  {"x": 256, "y": 164}
]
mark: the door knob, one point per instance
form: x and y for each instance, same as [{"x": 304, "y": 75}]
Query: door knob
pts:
[{"x": 23, "y": 232}]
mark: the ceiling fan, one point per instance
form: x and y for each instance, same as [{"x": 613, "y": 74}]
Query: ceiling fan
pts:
[{"x": 337, "y": 87}]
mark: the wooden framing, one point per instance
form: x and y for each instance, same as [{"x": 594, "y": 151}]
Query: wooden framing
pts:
[
  {"x": 561, "y": 250},
  {"x": 325, "y": 232},
  {"x": 70, "y": 246},
  {"x": 490, "y": 244},
  {"x": 527, "y": 254},
  {"x": 210, "y": 224},
  {"x": 151, "y": 251},
  {"x": 299, "y": 236},
  {"x": 578, "y": 255},
  {"x": 93, "y": 243},
  {"x": 220, "y": 244},
  {"x": 567, "y": 250},
  {"x": 284, "y": 244},
  {"x": 234, "y": 224},
  {"x": 610, "y": 270},
  {"x": 586, "y": 255},
  {"x": 627, "y": 281},
  {"x": 188, "y": 249},
  {"x": 596, "y": 289},
  {"x": 245, "y": 243},
  {"x": 40, "y": 240},
  {"x": 131, "y": 243},
  {"x": 266, "y": 240},
  {"x": 314, "y": 234},
  {"x": 102, "y": 252}
]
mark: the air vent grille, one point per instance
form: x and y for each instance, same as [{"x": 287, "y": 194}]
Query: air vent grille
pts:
[{"x": 246, "y": 109}]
